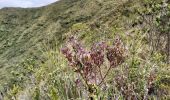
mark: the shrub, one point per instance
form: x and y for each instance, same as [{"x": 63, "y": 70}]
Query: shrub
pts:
[{"x": 87, "y": 64}]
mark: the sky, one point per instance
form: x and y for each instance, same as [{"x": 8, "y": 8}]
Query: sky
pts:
[{"x": 25, "y": 3}]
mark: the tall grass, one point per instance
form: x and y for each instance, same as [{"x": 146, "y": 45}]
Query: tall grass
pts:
[{"x": 142, "y": 75}]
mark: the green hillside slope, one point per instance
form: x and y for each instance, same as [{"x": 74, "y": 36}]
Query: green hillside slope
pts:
[
  {"x": 23, "y": 31},
  {"x": 31, "y": 33}
]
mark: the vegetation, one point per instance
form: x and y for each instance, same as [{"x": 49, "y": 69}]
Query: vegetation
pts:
[
  {"x": 131, "y": 63},
  {"x": 88, "y": 63}
]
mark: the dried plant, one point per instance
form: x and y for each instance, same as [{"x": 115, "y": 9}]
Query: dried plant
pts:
[{"x": 87, "y": 64}]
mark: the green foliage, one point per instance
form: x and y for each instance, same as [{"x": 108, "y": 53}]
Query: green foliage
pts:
[
  {"x": 36, "y": 95},
  {"x": 12, "y": 93},
  {"x": 53, "y": 94},
  {"x": 30, "y": 39}
]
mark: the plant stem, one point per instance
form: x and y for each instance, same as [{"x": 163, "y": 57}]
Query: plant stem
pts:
[
  {"x": 86, "y": 83},
  {"x": 100, "y": 71},
  {"x": 95, "y": 76},
  {"x": 105, "y": 75},
  {"x": 168, "y": 58}
]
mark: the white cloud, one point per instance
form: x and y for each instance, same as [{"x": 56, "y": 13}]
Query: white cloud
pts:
[{"x": 24, "y": 3}]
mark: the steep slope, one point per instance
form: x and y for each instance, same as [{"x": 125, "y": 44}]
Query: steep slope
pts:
[
  {"x": 23, "y": 31},
  {"x": 26, "y": 33}
]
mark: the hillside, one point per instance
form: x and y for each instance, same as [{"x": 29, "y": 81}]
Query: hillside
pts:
[
  {"x": 29, "y": 33},
  {"x": 23, "y": 31}
]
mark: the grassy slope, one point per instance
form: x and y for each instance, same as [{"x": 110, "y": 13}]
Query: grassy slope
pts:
[{"x": 23, "y": 32}]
